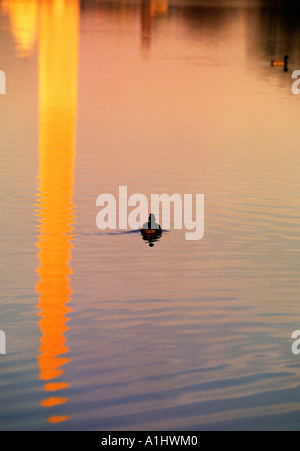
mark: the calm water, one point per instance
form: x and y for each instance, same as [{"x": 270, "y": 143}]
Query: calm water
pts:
[{"x": 104, "y": 332}]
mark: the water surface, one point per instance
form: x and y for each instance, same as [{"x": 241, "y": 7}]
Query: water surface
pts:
[{"x": 103, "y": 331}]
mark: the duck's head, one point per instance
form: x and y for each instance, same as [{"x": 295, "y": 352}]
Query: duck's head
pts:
[{"x": 151, "y": 219}]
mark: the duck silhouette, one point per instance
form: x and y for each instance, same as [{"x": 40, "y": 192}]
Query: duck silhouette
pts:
[
  {"x": 151, "y": 231},
  {"x": 283, "y": 63}
]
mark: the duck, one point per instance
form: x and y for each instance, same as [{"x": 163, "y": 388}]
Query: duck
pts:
[
  {"x": 151, "y": 231},
  {"x": 283, "y": 63}
]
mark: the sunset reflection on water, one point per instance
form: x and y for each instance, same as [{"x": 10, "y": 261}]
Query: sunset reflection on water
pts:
[{"x": 58, "y": 66}]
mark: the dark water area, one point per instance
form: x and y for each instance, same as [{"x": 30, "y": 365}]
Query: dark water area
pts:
[{"x": 104, "y": 331}]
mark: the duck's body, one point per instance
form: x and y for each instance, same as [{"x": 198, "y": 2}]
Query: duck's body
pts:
[
  {"x": 277, "y": 63},
  {"x": 151, "y": 232},
  {"x": 283, "y": 63}
]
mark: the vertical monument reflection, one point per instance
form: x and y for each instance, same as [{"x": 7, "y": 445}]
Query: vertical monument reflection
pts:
[
  {"x": 151, "y": 9},
  {"x": 58, "y": 64}
]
